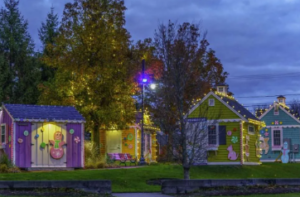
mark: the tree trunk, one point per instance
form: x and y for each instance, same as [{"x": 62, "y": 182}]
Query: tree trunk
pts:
[
  {"x": 96, "y": 138},
  {"x": 186, "y": 173}
]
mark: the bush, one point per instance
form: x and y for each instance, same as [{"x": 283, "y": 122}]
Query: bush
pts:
[
  {"x": 112, "y": 165},
  {"x": 5, "y": 160},
  {"x": 89, "y": 166},
  {"x": 100, "y": 165},
  {"x": 91, "y": 153},
  {"x": 14, "y": 169},
  {"x": 3, "y": 168}
]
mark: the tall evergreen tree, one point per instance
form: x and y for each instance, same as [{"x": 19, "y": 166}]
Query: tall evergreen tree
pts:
[
  {"x": 47, "y": 34},
  {"x": 91, "y": 55},
  {"x": 19, "y": 74}
]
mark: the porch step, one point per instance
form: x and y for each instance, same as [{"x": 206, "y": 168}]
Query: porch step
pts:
[{"x": 49, "y": 169}]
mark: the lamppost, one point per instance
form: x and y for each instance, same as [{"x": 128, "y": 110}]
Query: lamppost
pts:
[
  {"x": 152, "y": 86},
  {"x": 144, "y": 80}
]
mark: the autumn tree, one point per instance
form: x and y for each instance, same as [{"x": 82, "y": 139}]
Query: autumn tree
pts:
[
  {"x": 91, "y": 58},
  {"x": 189, "y": 70},
  {"x": 19, "y": 73}
]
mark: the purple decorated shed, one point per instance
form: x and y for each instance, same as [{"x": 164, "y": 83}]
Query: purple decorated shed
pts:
[{"x": 37, "y": 136}]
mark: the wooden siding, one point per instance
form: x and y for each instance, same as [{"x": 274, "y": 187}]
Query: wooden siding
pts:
[
  {"x": 292, "y": 133},
  {"x": 6, "y": 119},
  {"x": 74, "y": 153},
  {"x": 253, "y": 138},
  {"x": 219, "y": 111},
  {"x": 221, "y": 155},
  {"x": 154, "y": 146},
  {"x": 283, "y": 117},
  {"x": 139, "y": 139},
  {"x": 23, "y": 150},
  {"x": 126, "y": 149}
]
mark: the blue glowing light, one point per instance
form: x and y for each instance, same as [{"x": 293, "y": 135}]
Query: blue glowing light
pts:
[{"x": 144, "y": 80}]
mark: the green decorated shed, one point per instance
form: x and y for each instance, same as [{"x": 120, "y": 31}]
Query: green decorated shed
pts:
[{"x": 232, "y": 131}]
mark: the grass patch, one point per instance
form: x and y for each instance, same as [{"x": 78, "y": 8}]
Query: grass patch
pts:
[{"x": 134, "y": 179}]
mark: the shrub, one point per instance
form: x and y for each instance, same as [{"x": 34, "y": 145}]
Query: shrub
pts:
[
  {"x": 91, "y": 153},
  {"x": 100, "y": 165},
  {"x": 89, "y": 166},
  {"x": 111, "y": 165},
  {"x": 14, "y": 169},
  {"x": 5, "y": 160},
  {"x": 3, "y": 168}
]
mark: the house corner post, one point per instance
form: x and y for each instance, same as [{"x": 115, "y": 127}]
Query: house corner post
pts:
[{"x": 241, "y": 143}]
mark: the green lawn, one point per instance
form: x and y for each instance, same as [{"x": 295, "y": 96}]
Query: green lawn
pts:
[{"x": 134, "y": 180}]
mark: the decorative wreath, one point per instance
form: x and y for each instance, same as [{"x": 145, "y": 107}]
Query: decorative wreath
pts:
[
  {"x": 130, "y": 136},
  {"x": 26, "y": 133},
  {"x": 43, "y": 145},
  {"x": 71, "y": 131},
  {"x": 234, "y": 139},
  {"x": 229, "y": 133}
]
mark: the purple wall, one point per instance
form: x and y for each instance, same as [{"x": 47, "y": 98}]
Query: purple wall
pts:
[
  {"x": 8, "y": 121},
  {"x": 73, "y": 148},
  {"x": 23, "y": 150}
]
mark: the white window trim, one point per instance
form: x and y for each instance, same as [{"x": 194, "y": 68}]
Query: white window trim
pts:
[
  {"x": 220, "y": 88},
  {"x": 213, "y": 146},
  {"x": 3, "y": 143},
  {"x": 281, "y": 139},
  {"x": 251, "y": 133},
  {"x": 213, "y": 104}
]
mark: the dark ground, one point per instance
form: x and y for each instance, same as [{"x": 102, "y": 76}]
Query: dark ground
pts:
[{"x": 49, "y": 193}]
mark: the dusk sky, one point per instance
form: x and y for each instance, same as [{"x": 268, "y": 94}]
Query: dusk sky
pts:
[{"x": 257, "y": 41}]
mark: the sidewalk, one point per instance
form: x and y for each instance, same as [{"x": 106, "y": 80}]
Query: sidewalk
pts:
[{"x": 139, "y": 195}]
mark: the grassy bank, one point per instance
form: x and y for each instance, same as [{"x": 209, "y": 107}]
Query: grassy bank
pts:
[{"x": 134, "y": 180}]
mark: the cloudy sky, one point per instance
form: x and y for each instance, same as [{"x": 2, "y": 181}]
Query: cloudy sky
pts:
[{"x": 258, "y": 42}]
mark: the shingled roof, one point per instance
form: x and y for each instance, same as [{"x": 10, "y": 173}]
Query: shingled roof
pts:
[
  {"x": 238, "y": 107},
  {"x": 33, "y": 113}
]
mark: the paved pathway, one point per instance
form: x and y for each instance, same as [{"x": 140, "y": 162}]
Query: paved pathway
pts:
[{"x": 139, "y": 195}]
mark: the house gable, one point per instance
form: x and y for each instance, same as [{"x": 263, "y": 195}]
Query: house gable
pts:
[
  {"x": 218, "y": 111},
  {"x": 284, "y": 118}
]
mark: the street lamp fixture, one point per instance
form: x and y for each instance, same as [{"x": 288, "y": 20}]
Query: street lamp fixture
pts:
[{"x": 153, "y": 86}]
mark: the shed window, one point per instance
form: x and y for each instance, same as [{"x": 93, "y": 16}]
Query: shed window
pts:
[
  {"x": 221, "y": 89},
  {"x": 212, "y": 135},
  {"x": 251, "y": 129},
  {"x": 222, "y": 135},
  {"x": 3, "y": 129},
  {"x": 277, "y": 137},
  {"x": 211, "y": 102}
]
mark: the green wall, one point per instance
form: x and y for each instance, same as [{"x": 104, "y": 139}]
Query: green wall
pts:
[{"x": 219, "y": 111}]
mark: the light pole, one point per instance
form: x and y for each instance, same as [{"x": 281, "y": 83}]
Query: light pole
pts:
[{"x": 144, "y": 80}]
